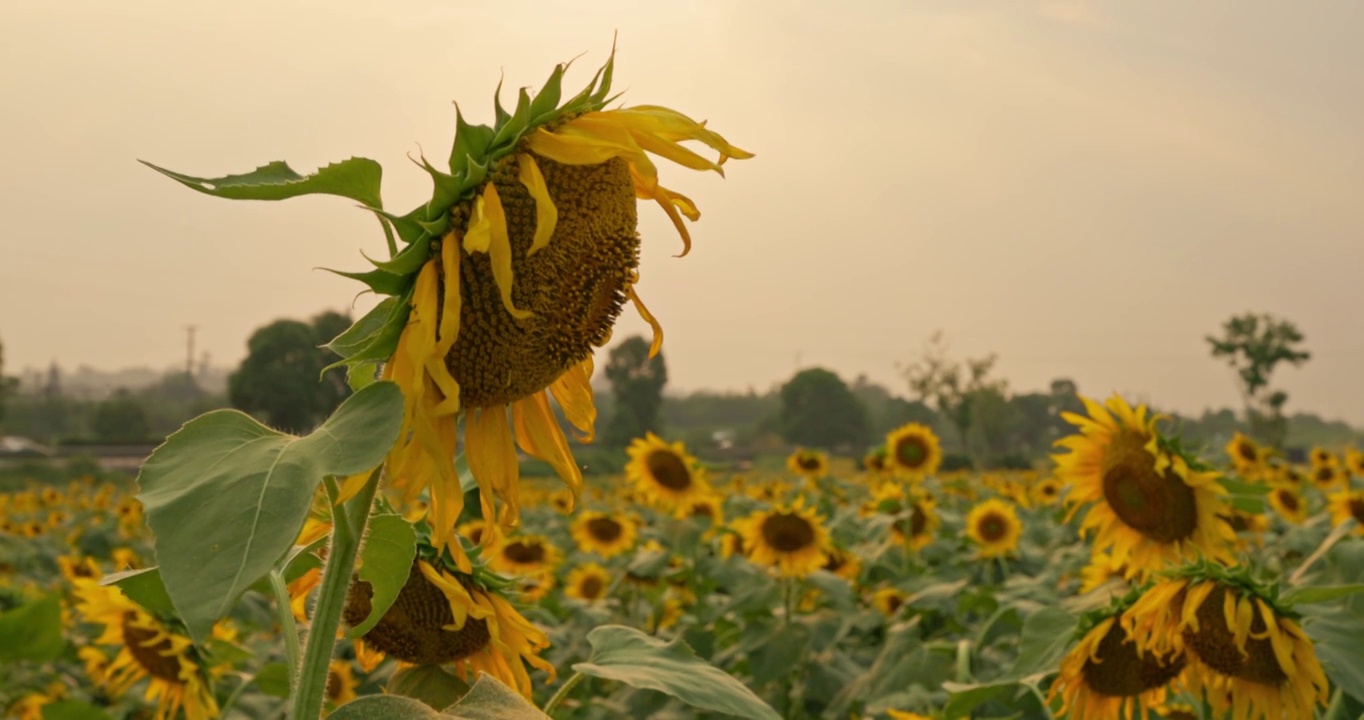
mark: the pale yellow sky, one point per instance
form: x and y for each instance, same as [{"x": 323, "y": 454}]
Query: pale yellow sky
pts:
[{"x": 1086, "y": 188}]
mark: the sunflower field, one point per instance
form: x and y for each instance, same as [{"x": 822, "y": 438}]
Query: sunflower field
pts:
[{"x": 395, "y": 563}]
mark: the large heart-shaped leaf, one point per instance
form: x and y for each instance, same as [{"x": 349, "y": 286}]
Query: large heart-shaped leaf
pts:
[
  {"x": 225, "y": 496},
  {"x": 32, "y": 631},
  {"x": 385, "y": 563},
  {"x": 491, "y": 699},
  {"x": 384, "y": 707},
  {"x": 639, "y": 660}
]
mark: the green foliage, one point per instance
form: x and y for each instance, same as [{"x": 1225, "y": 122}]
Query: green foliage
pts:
[
  {"x": 637, "y": 382},
  {"x": 639, "y": 660},
  {"x": 279, "y": 379},
  {"x": 32, "y": 632},
  {"x": 385, "y": 563},
  {"x": 226, "y": 496},
  {"x": 73, "y": 710},
  {"x": 431, "y": 684},
  {"x": 818, "y": 410},
  {"x": 488, "y": 699},
  {"x": 120, "y": 418},
  {"x": 7, "y": 385},
  {"x": 1253, "y": 345},
  {"x": 956, "y": 388}
]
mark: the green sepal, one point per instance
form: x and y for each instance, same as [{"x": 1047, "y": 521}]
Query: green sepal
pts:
[
  {"x": 381, "y": 344},
  {"x": 364, "y": 330},
  {"x": 547, "y": 100},
  {"x": 511, "y": 129},
  {"x": 471, "y": 141},
  {"x": 380, "y": 281},
  {"x": 501, "y": 115},
  {"x": 357, "y": 178},
  {"x": 409, "y": 260}
]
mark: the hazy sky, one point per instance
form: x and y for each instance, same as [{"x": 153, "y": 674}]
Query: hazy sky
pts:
[{"x": 1086, "y": 188}]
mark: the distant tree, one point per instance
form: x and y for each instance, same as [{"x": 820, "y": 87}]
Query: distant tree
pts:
[
  {"x": 279, "y": 379},
  {"x": 7, "y": 385},
  {"x": 120, "y": 418},
  {"x": 637, "y": 382},
  {"x": 818, "y": 410},
  {"x": 954, "y": 387},
  {"x": 1253, "y": 345}
]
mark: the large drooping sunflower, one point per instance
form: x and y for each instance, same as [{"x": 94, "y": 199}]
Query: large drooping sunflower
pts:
[
  {"x": 995, "y": 527},
  {"x": 607, "y": 534},
  {"x": 1106, "y": 675},
  {"x": 1246, "y": 456},
  {"x": 913, "y": 450},
  {"x": 587, "y": 582},
  {"x": 1147, "y": 506},
  {"x": 148, "y": 648},
  {"x": 1346, "y": 506},
  {"x": 809, "y": 464},
  {"x": 1247, "y": 656},
  {"x": 505, "y": 282},
  {"x": 790, "y": 538},
  {"x": 443, "y": 616},
  {"x": 666, "y": 474}
]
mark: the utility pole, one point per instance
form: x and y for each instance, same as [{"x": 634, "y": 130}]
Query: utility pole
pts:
[{"x": 189, "y": 349}]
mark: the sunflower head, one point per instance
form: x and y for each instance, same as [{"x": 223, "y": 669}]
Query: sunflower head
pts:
[
  {"x": 1320, "y": 456},
  {"x": 995, "y": 527},
  {"x": 525, "y": 555},
  {"x": 889, "y": 600},
  {"x": 607, "y": 534},
  {"x": 1107, "y": 674},
  {"x": 791, "y": 539},
  {"x": 1289, "y": 503},
  {"x": 809, "y": 464},
  {"x": 1245, "y": 455},
  {"x": 843, "y": 563},
  {"x": 588, "y": 582},
  {"x": 1328, "y": 476},
  {"x": 913, "y": 450},
  {"x": 1347, "y": 506},
  {"x": 918, "y": 523},
  {"x": 665, "y": 473},
  {"x": 1147, "y": 505},
  {"x": 1354, "y": 462},
  {"x": 1046, "y": 492}
]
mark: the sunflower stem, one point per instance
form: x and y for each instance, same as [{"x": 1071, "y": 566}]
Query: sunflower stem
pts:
[
  {"x": 562, "y": 693},
  {"x": 787, "y": 585},
  {"x": 285, "y": 616},
  {"x": 347, "y": 529}
]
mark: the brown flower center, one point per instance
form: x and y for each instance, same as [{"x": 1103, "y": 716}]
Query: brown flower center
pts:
[
  {"x": 668, "y": 470},
  {"x": 151, "y": 655},
  {"x": 1159, "y": 505},
  {"x": 591, "y": 587},
  {"x": 788, "y": 532},
  {"x": 1356, "y": 506},
  {"x": 334, "y": 685},
  {"x": 837, "y": 559},
  {"x": 1121, "y": 672},
  {"x": 808, "y": 462},
  {"x": 1216, "y": 645},
  {"x": 893, "y": 603},
  {"x": 911, "y": 451},
  {"x": 1288, "y": 500},
  {"x": 524, "y": 553},
  {"x": 604, "y": 529},
  {"x": 413, "y": 628},
  {"x": 992, "y": 527},
  {"x": 1247, "y": 452},
  {"x": 1324, "y": 475},
  {"x": 575, "y": 286}
]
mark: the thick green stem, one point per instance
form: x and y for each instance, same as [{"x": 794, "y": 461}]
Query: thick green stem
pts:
[
  {"x": 285, "y": 616},
  {"x": 563, "y": 692},
  {"x": 348, "y": 527}
]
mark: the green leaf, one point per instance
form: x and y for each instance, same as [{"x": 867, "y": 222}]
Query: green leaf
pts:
[
  {"x": 431, "y": 684},
  {"x": 491, "y": 699},
  {"x": 73, "y": 710},
  {"x": 471, "y": 143},
  {"x": 1334, "y": 631},
  {"x": 364, "y": 330},
  {"x": 357, "y": 178},
  {"x": 145, "y": 588},
  {"x": 638, "y": 660},
  {"x": 1325, "y": 593},
  {"x": 547, "y": 100},
  {"x": 777, "y": 654},
  {"x": 33, "y": 631},
  {"x": 963, "y": 698},
  {"x": 1046, "y": 635},
  {"x": 386, "y": 562},
  {"x": 273, "y": 680},
  {"x": 409, "y": 260},
  {"x": 384, "y": 707},
  {"x": 225, "y": 496},
  {"x": 380, "y": 281}
]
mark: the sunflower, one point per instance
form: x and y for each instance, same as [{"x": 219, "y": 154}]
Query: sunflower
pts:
[
  {"x": 732, "y": 543},
  {"x": 665, "y": 473},
  {"x": 533, "y": 588},
  {"x": 341, "y": 682},
  {"x": 913, "y": 450},
  {"x": 1328, "y": 477},
  {"x": 919, "y": 526},
  {"x": 994, "y": 525},
  {"x": 148, "y": 649},
  {"x": 444, "y": 616},
  {"x": 1098, "y": 572},
  {"x": 809, "y": 464},
  {"x": 790, "y": 538},
  {"x": 1289, "y": 503},
  {"x": 76, "y": 567},
  {"x": 889, "y": 600},
  {"x": 1147, "y": 506},
  {"x": 842, "y": 563},
  {"x": 472, "y": 531},
  {"x": 876, "y": 462},
  {"x": 1321, "y": 456},
  {"x": 1106, "y": 675},
  {"x": 603, "y": 533},
  {"x": 562, "y": 501},
  {"x": 1354, "y": 462},
  {"x": 1046, "y": 492},
  {"x": 524, "y": 555},
  {"x": 711, "y": 507},
  {"x": 1247, "y": 656},
  {"x": 587, "y": 582},
  {"x": 300, "y": 589},
  {"x": 1346, "y": 506},
  {"x": 1246, "y": 456}
]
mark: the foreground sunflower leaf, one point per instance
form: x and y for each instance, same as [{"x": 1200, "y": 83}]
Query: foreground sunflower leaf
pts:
[
  {"x": 73, "y": 710},
  {"x": 384, "y": 707},
  {"x": 145, "y": 588},
  {"x": 33, "y": 631},
  {"x": 639, "y": 660},
  {"x": 491, "y": 699},
  {"x": 385, "y": 560},
  {"x": 356, "y": 178},
  {"x": 226, "y": 496},
  {"x": 431, "y": 684},
  {"x": 1046, "y": 635}
]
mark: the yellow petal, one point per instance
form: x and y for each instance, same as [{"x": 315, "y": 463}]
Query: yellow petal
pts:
[
  {"x": 653, "y": 322},
  {"x": 539, "y": 435},
  {"x": 479, "y": 235},
  {"x": 350, "y": 486},
  {"x": 573, "y": 392},
  {"x": 492, "y": 459},
  {"x": 499, "y": 249},
  {"x": 546, "y": 215},
  {"x": 573, "y": 148}
]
